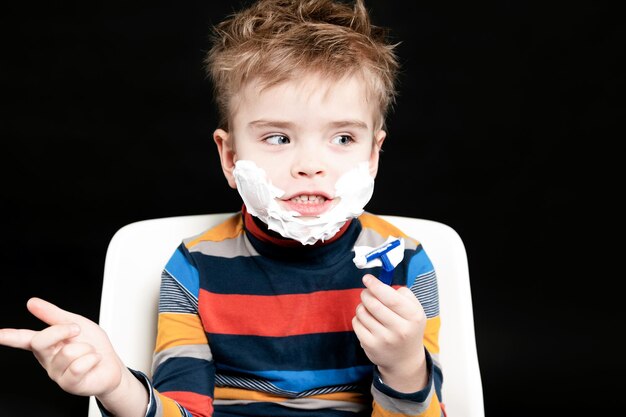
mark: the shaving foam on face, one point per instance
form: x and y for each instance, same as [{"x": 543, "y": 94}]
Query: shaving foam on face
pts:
[{"x": 353, "y": 189}]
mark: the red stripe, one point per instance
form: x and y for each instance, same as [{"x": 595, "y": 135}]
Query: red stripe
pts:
[
  {"x": 198, "y": 405},
  {"x": 279, "y": 315}
]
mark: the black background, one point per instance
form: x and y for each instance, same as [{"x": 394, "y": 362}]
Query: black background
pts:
[{"x": 500, "y": 131}]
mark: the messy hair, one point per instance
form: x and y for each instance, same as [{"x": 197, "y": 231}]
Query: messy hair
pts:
[{"x": 273, "y": 41}]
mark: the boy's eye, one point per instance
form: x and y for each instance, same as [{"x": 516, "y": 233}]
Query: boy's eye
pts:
[
  {"x": 343, "y": 140},
  {"x": 277, "y": 140}
]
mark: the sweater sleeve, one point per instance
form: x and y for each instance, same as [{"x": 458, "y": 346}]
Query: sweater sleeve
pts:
[
  {"x": 183, "y": 372},
  {"x": 421, "y": 279}
]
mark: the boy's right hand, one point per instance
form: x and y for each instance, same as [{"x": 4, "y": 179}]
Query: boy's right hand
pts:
[{"x": 75, "y": 351}]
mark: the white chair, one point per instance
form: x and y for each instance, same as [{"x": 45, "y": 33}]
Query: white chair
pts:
[{"x": 138, "y": 252}]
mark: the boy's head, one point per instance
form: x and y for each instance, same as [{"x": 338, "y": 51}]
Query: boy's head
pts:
[
  {"x": 303, "y": 88},
  {"x": 274, "y": 41}
]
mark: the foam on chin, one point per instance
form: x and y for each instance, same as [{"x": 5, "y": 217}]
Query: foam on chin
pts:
[{"x": 353, "y": 190}]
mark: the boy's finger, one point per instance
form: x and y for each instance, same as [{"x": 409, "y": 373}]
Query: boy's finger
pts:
[
  {"x": 50, "y": 337},
  {"x": 374, "y": 284},
  {"x": 362, "y": 333},
  {"x": 49, "y": 313},
  {"x": 374, "y": 324},
  {"x": 68, "y": 354},
  {"x": 388, "y": 296},
  {"x": 81, "y": 365},
  {"x": 16, "y": 338}
]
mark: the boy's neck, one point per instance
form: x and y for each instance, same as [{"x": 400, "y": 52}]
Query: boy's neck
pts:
[{"x": 260, "y": 230}]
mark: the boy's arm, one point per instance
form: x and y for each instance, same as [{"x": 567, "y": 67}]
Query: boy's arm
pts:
[
  {"x": 399, "y": 329},
  {"x": 78, "y": 356}
]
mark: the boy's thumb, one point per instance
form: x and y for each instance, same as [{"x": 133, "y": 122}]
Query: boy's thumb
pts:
[{"x": 48, "y": 312}]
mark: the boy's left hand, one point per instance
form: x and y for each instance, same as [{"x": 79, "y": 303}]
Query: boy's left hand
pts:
[{"x": 390, "y": 325}]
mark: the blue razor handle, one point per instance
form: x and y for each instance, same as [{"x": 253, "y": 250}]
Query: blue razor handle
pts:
[{"x": 386, "y": 275}]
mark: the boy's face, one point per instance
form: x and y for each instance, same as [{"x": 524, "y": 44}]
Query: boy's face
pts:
[{"x": 305, "y": 135}]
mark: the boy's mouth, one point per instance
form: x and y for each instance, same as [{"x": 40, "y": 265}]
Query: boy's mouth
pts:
[
  {"x": 308, "y": 205},
  {"x": 308, "y": 199}
]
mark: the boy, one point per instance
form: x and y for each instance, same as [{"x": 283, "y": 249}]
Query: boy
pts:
[{"x": 267, "y": 314}]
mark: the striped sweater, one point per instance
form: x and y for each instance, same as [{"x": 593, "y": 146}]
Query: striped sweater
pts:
[{"x": 248, "y": 327}]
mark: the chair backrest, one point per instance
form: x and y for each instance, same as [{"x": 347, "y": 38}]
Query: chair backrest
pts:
[{"x": 138, "y": 252}]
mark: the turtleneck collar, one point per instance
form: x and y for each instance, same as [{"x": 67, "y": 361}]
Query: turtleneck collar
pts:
[{"x": 269, "y": 243}]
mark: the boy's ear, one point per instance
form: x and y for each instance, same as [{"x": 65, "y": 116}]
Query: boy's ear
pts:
[
  {"x": 379, "y": 138},
  {"x": 226, "y": 151}
]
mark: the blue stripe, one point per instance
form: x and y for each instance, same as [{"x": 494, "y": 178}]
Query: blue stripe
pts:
[
  {"x": 298, "y": 381},
  {"x": 418, "y": 265},
  {"x": 185, "y": 273}
]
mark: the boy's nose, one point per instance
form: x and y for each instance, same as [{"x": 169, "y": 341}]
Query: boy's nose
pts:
[{"x": 307, "y": 165}]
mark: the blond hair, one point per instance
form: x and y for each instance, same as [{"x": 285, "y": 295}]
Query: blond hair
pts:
[{"x": 273, "y": 41}]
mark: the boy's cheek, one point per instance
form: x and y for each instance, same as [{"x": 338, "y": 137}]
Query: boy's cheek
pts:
[
  {"x": 230, "y": 178},
  {"x": 231, "y": 183}
]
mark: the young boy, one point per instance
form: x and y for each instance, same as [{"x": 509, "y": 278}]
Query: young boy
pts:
[{"x": 268, "y": 314}]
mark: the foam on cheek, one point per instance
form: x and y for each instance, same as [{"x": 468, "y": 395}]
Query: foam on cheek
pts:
[
  {"x": 257, "y": 192},
  {"x": 354, "y": 189}
]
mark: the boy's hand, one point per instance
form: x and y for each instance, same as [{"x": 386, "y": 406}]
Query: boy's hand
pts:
[
  {"x": 75, "y": 351},
  {"x": 390, "y": 326}
]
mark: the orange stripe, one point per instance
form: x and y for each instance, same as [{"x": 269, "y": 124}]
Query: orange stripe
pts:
[
  {"x": 170, "y": 409},
  {"x": 249, "y": 395},
  {"x": 198, "y": 405},
  {"x": 431, "y": 334},
  {"x": 176, "y": 329},
  {"x": 230, "y": 228},
  {"x": 245, "y": 394},
  {"x": 353, "y": 397},
  {"x": 382, "y": 227},
  {"x": 279, "y": 315}
]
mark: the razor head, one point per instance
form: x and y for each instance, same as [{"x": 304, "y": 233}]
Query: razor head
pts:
[
  {"x": 387, "y": 256},
  {"x": 382, "y": 251},
  {"x": 386, "y": 275}
]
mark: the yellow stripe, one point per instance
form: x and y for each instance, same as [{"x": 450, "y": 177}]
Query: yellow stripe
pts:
[
  {"x": 170, "y": 409},
  {"x": 433, "y": 410},
  {"x": 353, "y": 397},
  {"x": 176, "y": 329},
  {"x": 244, "y": 394},
  {"x": 249, "y": 395},
  {"x": 382, "y": 227},
  {"x": 230, "y": 228},
  {"x": 431, "y": 334}
]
